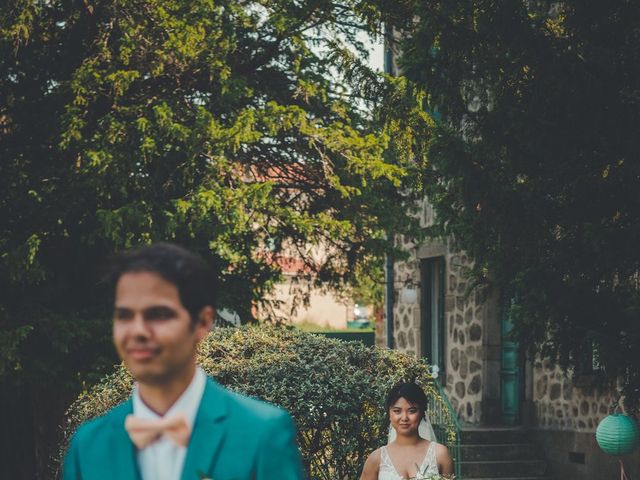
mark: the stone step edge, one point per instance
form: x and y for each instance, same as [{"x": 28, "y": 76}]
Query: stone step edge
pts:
[
  {"x": 495, "y": 429},
  {"x": 507, "y": 478},
  {"x": 497, "y": 444},
  {"x": 501, "y": 461}
]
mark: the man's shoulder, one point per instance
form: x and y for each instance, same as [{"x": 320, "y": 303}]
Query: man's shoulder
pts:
[
  {"x": 249, "y": 407},
  {"x": 100, "y": 424}
]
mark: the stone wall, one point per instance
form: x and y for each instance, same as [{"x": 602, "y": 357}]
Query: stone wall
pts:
[
  {"x": 563, "y": 404},
  {"x": 472, "y": 351},
  {"x": 406, "y": 315},
  {"x": 464, "y": 318},
  {"x": 463, "y": 343},
  {"x": 576, "y": 455}
]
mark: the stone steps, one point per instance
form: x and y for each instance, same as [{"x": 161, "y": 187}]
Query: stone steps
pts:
[
  {"x": 503, "y": 468},
  {"x": 494, "y": 436},
  {"x": 507, "y": 451},
  {"x": 500, "y": 453},
  {"x": 509, "y": 478}
]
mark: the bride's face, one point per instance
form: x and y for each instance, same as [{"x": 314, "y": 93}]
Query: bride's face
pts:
[{"x": 405, "y": 417}]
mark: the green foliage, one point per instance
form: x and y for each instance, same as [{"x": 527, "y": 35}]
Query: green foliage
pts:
[
  {"x": 432, "y": 476},
  {"x": 226, "y": 126},
  {"x": 9, "y": 342},
  {"x": 334, "y": 390},
  {"x": 534, "y": 168}
]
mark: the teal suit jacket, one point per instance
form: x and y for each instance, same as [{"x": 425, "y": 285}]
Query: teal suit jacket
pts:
[{"x": 233, "y": 438}]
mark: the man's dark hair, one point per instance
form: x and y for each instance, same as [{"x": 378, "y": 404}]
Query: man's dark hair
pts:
[
  {"x": 411, "y": 392},
  {"x": 195, "y": 280}
]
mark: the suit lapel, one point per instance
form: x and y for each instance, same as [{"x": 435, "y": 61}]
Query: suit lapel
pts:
[
  {"x": 123, "y": 451},
  {"x": 208, "y": 433}
]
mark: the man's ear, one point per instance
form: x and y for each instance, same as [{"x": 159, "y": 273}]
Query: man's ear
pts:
[{"x": 205, "y": 321}]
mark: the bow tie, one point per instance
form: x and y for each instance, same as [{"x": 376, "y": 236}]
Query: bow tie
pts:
[{"x": 144, "y": 432}]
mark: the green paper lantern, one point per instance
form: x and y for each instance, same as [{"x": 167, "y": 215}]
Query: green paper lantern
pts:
[{"x": 618, "y": 434}]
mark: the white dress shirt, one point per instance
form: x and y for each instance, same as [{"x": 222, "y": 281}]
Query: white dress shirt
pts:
[{"x": 163, "y": 459}]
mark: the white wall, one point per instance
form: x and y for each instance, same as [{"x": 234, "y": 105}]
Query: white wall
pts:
[{"x": 323, "y": 310}]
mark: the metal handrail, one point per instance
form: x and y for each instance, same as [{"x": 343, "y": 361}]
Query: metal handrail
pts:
[{"x": 446, "y": 425}]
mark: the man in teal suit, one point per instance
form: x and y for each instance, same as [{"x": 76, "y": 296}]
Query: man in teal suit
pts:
[{"x": 178, "y": 424}]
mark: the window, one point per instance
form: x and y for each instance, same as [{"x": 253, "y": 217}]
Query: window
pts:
[{"x": 589, "y": 361}]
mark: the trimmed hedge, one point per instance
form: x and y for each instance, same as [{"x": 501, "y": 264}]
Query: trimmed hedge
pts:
[{"x": 334, "y": 390}]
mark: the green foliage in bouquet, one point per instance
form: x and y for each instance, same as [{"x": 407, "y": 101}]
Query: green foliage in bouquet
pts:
[
  {"x": 423, "y": 475},
  {"x": 434, "y": 476},
  {"x": 334, "y": 390}
]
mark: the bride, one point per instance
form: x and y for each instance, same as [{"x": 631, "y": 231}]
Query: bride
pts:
[{"x": 412, "y": 444}]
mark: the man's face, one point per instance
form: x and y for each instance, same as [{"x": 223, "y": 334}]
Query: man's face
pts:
[{"x": 152, "y": 331}]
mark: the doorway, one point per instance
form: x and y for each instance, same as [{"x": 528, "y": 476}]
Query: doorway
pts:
[
  {"x": 510, "y": 374},
  {"x": 432, "y": 314}
]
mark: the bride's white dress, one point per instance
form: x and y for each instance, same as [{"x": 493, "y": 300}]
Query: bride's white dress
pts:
[{"x": 388, "y": 472}]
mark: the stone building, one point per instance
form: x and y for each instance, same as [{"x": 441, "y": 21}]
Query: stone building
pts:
[
  {"x": 488, "y": 381},
  {"x": 431, "y": 312}
]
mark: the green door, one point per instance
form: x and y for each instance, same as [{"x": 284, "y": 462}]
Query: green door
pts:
[{"x": 510, "y": 373}]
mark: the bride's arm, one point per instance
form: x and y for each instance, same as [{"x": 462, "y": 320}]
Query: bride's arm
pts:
[
  {"x": 445, "y": 462},
  {"x": 371, "y": 466}
]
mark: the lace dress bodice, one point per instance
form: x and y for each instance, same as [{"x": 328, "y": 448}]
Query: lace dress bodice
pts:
[{"x": 388, "y": 472}]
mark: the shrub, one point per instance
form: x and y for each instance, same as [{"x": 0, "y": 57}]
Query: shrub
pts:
[{"x": 334, "y": 390}]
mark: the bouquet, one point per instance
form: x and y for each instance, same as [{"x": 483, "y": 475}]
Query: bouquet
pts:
[
  {"x": 432, "y": 476},
  {"x": 423, "y": 475}
]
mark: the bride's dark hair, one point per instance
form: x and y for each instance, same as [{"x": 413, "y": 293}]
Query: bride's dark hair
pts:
[{"x": 411, "y": 392}]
